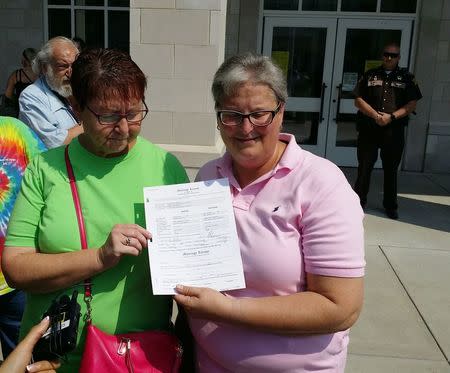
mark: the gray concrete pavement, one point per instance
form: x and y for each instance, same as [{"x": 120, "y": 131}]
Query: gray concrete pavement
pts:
[{"x": 405, "y": 323}]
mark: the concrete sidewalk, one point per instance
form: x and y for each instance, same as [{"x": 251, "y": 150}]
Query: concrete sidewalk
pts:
[{"x": 405, "y": 323}]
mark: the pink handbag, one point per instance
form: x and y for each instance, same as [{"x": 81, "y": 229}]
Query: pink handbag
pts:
[
  {"x": 149, "y": 351},
  {"x": 140, "y": 352}
]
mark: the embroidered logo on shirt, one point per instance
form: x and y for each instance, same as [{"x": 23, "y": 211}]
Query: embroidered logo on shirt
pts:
[
  {"x": 276, "y": 209},
  {"x": 373, "y": 83},
  {"x": 398, "y": 85}
]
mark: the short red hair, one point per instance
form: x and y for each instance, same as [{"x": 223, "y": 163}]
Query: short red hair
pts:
[{"x": 102, "y": 74}]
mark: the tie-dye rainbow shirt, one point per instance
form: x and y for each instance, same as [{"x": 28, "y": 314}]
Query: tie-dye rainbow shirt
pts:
[{"x": 18, "y": 144}]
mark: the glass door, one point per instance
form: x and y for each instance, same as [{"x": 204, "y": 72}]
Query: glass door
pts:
[
  {"x": 359, "y": 46},
  {"x": 304, "y": 50},
  {"x": 322, "y": 59}
]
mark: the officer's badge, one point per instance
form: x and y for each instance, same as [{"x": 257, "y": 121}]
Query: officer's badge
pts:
[
  {"x": 374, "y": 83},
  {"x": 398, "y": 85}
]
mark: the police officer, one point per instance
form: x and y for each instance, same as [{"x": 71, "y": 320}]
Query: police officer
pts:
[{"x": 385, "y": 96}]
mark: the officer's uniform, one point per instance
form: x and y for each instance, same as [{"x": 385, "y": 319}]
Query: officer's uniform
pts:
[{"x": 385, "y": 93}]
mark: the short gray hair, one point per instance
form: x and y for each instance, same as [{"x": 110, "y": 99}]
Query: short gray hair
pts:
[
  {"x": 252, "y": 68},
  {"x": 45, "y": 55}
]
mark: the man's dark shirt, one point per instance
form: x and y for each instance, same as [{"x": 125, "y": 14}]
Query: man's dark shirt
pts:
[{"x": 387, "y": 92}]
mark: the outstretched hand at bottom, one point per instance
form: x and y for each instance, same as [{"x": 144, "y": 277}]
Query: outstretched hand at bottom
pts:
[{"x": 18, "y": 360}]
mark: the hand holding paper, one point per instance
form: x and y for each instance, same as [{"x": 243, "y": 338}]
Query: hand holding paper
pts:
[
  {"x": 194, "y": 237},
  {"x": 205, "y": 303}
]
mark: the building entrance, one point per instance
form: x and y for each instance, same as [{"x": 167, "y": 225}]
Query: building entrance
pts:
[{"x": 323, "y": 59}]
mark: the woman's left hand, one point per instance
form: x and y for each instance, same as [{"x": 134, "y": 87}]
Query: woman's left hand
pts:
[{"x": 205, "y": 302}]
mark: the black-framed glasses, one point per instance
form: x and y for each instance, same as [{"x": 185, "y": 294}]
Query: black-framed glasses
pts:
[
  {"x": 391, "y": 55},
  {"x": 260, "y": 118},
  {"x": 109, "y": 119}
]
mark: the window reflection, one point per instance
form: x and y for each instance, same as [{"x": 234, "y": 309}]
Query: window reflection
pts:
[
  {"x": 90, "y": 2},
  {"x": 124, "y": 3},
  {"x": 89, "y": 25},
  {"x": 300, "y": 52},
  {"x": 58, "y": 23},
  {"x": 399, "y": 6},
  {"x": 281, "y": 4},
  {"x": 346, "y": 135},
  {"x": 322, "y": 5},
  {"x": 119, "y": 30},
  {"x": 304, "y": 126},
  {"x": 387, "y": 6},
  {"x": 359, "y": 5},
  {"x": 58, "y": 2}
]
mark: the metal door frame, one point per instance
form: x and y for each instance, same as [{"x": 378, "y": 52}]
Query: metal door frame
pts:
[{"x": 311, "y": 104}]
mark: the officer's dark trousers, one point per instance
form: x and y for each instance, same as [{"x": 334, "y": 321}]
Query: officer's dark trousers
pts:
[{"x": 390, "y": 140}]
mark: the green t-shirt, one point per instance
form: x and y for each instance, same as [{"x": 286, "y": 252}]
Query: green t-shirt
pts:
[{"x": 111, "y": 192}]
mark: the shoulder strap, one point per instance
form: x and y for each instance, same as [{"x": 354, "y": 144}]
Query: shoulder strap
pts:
[
  {"x": 80, "y": 219},
  {"x": 26, "y": 76},
  {"x": 66, "y": 104}
]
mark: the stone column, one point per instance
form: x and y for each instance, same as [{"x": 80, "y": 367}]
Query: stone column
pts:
[
  {"x": 429, "y": 132},
  {"x": 179, "y": 44},
  {"x": 438, "y": 95}
]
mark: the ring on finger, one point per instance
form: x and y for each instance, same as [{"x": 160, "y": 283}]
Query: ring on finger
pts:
[{"x": 128, "y": 241}]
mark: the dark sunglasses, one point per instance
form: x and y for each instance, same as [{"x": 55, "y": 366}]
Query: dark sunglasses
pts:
[{"x": 392, "y": 55}]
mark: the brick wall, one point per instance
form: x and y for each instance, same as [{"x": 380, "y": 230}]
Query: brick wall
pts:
[
  {"x": 438, "y": 144},
  {"x": 179, "y": 44},
  {"x": 429, "y": 141}
]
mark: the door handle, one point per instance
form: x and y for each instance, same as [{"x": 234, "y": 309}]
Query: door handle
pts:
[
  {"x": 322, "y": 97},
  {"x": 338, "y": 106}
]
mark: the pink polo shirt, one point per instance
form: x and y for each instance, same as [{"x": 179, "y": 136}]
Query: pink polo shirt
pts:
[{"x": 302, "y": 216}]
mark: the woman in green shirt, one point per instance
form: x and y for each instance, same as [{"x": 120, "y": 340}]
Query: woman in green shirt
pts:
[{"x": 112, "y": 164}]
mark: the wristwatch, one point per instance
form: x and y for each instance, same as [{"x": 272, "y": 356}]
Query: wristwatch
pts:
[{"x": 393, "y": 117}]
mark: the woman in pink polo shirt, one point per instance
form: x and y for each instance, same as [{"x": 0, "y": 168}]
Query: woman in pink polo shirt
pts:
[{"x": 301, "y": 238}]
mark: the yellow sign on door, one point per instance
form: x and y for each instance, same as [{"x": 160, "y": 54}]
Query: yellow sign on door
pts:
[
  {"x": 371, "y": 64},
  {"x": 281, "y": 58}
]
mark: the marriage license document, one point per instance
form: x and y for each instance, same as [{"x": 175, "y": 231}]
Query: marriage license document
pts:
[{"x": 194, "y": 238}]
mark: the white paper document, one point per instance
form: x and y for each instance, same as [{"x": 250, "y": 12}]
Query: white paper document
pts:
[{"x": 194, "y": 237}]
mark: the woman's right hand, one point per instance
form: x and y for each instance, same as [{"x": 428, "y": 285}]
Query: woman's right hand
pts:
[
  {"x": 19, "y": 358},
  {"x": 124, "y": 239}
]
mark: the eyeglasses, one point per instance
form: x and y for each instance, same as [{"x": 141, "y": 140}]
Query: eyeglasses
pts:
[
  {"x": 133, "y": 117},
  {"x": 261, "y": 118},
  {"x": 391, "y": 55}
]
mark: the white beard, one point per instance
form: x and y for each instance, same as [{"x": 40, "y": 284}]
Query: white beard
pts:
[{"x": 65, "y": 90}]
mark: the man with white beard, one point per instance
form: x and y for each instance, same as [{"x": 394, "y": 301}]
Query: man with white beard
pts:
[{"x": 45, "y": 105}]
